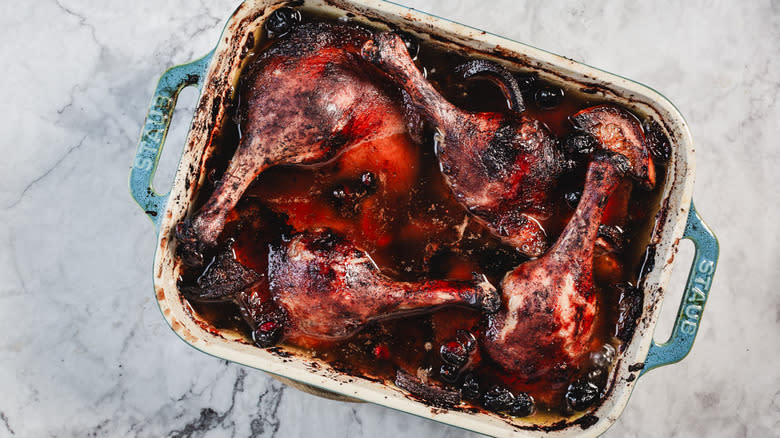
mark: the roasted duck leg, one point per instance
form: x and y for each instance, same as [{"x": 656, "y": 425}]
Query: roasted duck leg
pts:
[
  {"x": 320, "y": 287},
  {"x": 549, "y": 303},
  {"x": 502, "y": 166},
  {"x": 329, "y": 289},
  {"x": 309, "y": 96},
  {"x": 546, "y": 324}
]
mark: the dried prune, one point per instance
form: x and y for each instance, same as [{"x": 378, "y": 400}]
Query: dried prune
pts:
[
  {"x": 282, "y": 21},
  {"x": 548, "y": 97},
  {"x": 523, "y": 405},
  {"x": 454, "y": 353},
  {"x": 498, "y": 399},
  {"x": 470, "y": 387},
  {"x": 582, "y": 394},
  {"x": 411, "y": 43},
  {"x": 525, "y": 82},
  {"x": 614, "y": 235},
  {"x": 267, "y": 334},
  {"x": 369, "y": 181},
  {"x": 572, "y": 198},
  {"x": 449, "y": 373},
  {"x": 657, "y": 142},
  {"x": 603, "y": 357},
  {"x": 466, "y": 339}
]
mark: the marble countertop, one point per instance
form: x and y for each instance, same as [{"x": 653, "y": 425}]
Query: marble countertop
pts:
[{"x": 85, "y": 351}]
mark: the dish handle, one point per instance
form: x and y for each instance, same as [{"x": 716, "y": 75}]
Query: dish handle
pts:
[
  {"x": 697, "y": 290},
  {"x": 155, "y": 129}
]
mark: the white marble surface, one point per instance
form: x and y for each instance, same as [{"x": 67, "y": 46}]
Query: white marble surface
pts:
[{"x": 84, "y": 350}]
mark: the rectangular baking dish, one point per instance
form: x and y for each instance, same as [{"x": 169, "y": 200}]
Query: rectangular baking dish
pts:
[{"x": 215, "y": 75}]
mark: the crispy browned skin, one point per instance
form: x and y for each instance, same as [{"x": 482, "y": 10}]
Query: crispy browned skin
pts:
[
  {"x": 546, "y": 324},
  {"x": 547, "y": 319},
  {"x": 501, "y": 166},
  {"x": 309, "y": 97},
  {"x": 329, "y": 288},
  {"x": 618, "y": 131}
]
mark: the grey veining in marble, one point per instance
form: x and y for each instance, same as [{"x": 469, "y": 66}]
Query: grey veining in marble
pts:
[{"x": 84, "y": 350}]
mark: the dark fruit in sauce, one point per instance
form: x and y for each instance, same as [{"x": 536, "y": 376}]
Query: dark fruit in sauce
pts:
[
  {"x": 411, "y": 43},
  {"x": 454, "y": 353},
  {"x": 548, "y": 97},
  {"x": 267, "y": 334},
  {"x": 368, "y": 179},
  {"x": 603, "y": 357},
  {"x": 582, "y": 394},
  {"x": 580, "y": 144},
  {"x": 466, "y": 339},
  {"x": 470, "y": 387},
  {"x": 523, "y": 405},
  {"x": 498, "y": 399},
  {"x": 572, "y": 198},
  {"x": 614, "y": 235},
  {"x": 525, "y": 82},
  {"x": 449, "y": 373},
  {"x": 282, "y": 21},
  {"x": 657, "y": 141}
]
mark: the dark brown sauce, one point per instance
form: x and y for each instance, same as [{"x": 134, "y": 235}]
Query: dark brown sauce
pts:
[{"x": 413, "y": 228}]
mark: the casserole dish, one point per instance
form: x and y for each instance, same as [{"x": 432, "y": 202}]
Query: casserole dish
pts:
[{"x": 216, "y": 75}]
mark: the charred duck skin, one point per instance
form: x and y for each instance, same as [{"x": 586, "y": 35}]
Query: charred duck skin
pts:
[
  {"x": 329, "y": 288},
  {"x": 549, "y": 304},
  {"x": 309, "y": 96},
  {"x": 501, "y": 166},
  {"x": 320, "y": 287},
  {"x": 546, "y": 324},
  {"x": 618, "y": 131}
]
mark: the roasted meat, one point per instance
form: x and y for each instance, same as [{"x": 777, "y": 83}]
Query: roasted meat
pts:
[
  {"x": 307, "y": 97},
  {"x": 329, "y": 288},
  {"x": 320, "y": 287},
  {"x": 546, "y": 324},
  {"x": 618, "y": 131},
  {"x": 503, "y": 167},
  {"x": 549, "y": 310}
]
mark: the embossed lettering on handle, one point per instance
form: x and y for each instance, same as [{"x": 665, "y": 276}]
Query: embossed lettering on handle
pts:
[
  {"x": 156, "y": 125},
  {"x": 697, "y": 296},
  {"x": 154, "y": 131},
  {"x": 697, "y": 291}
]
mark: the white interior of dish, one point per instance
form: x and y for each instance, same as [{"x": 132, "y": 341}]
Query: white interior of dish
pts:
[{"x": 223, "y": 73}]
